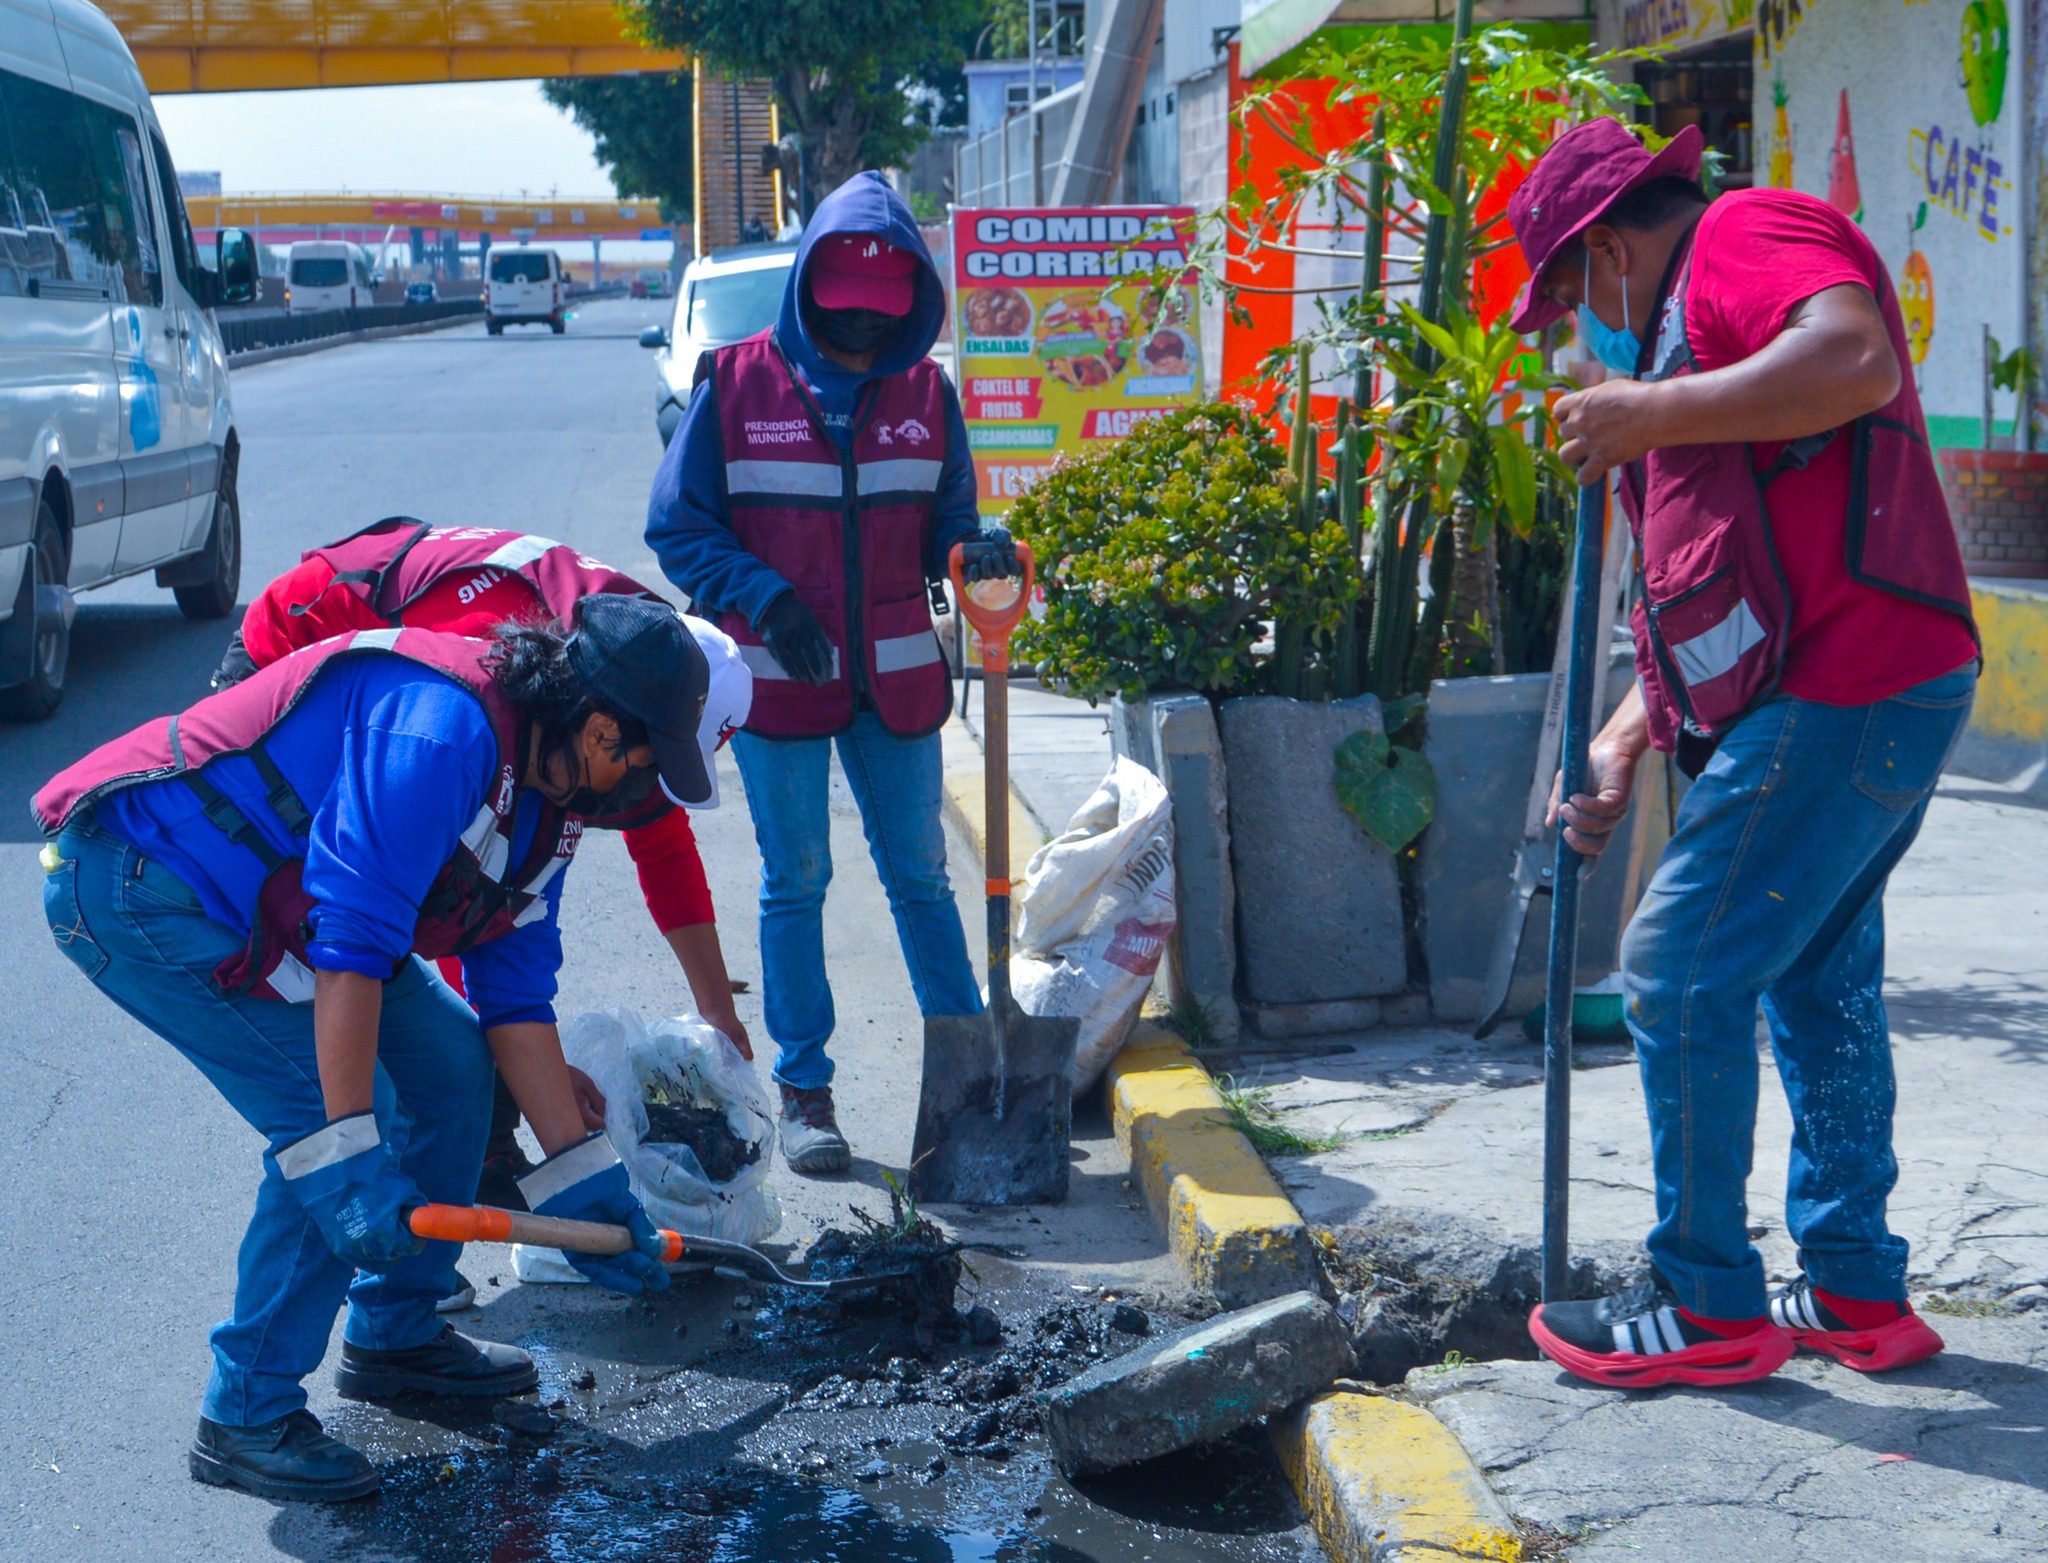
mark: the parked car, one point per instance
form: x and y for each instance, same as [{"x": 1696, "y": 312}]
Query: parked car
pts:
[
  {"x": 118, "y": 446},
  {"x": 726, "y": 296},
  {"x": 422, "y": 293},
  {"x": 636, "y": 288},
  {"x": 523, "y": 286}
]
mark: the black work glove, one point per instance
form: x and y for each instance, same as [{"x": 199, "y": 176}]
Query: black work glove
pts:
[
  {"x": 797, "y": 640},
  {"x": 235, "y": 664},
  {"x": 990, "y": 554}
]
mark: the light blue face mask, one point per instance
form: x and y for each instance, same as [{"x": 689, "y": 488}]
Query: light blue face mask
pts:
[{"x": 1619, "y": 350}]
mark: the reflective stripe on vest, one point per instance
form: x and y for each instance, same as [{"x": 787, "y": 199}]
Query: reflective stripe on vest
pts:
[
  {"x": 1714, "y": 619},
  {"x": 391, "y": 563},
  {"x": 848, "y": 529},
  {"x": 478, "y": 895}
]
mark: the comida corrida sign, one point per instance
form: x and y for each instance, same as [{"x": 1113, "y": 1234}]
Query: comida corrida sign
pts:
[{"x": 1063, "y": 337}]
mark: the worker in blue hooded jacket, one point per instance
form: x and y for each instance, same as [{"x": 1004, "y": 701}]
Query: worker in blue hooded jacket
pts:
[{"x": 816, "y": 485}]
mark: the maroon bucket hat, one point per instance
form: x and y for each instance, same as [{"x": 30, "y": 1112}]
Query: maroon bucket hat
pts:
[{"x": 1585, "y": 171}]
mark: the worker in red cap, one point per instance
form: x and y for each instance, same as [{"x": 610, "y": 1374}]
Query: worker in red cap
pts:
[
  {"x": 810, "y": 496},
  {"x": 1804, "y": 646}
]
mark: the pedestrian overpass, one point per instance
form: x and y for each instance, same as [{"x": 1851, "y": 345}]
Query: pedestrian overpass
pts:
[
  {"x": 279, "y": 216},
  {"x": 277, "y": 45},
  {"x": 256, "y": 45}
]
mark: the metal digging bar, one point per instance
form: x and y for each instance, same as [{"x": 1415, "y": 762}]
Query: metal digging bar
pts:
[{"x": 1564, "y": 900}]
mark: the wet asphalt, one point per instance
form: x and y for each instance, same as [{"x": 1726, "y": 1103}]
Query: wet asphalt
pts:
[{"x": 710, "y": 1422}]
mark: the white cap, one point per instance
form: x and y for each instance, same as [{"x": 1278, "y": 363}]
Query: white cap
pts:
[{"x": 727, "y": 702}]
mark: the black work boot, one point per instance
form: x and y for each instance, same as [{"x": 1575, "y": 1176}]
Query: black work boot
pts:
[
  {"x": 290, "y": 1460},
  {"x": 449, "y": 1364}
]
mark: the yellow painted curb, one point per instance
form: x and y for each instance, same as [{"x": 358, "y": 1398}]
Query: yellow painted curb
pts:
[
  {"x": 2012, "y": 697},
  {"x": 966, "y": 799},
  {"x": 1381, "y": 1479},
  {"x": 1227, "y": 1221}
]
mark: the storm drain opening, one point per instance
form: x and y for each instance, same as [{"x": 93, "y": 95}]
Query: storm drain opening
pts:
[{"x": 1439, "y": 1292}]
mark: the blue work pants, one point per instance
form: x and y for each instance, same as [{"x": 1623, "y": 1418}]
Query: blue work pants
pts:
[
  {"x": 140, "y": 934},
  {"x": 896, "y": 784},
  {"x": 1771, "y": 893}
]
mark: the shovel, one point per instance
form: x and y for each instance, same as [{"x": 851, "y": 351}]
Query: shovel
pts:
[
  {"x": 996, "y": 1107},
  {"x": 488, "y": 1224},
  {"x": 1588, "y": 656},
  {"x": 1530, "y": 879}
]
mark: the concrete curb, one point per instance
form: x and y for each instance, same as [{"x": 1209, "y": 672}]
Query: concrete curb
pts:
[
  {"x": 1378, "y": 1478},
  {"x": 966, "y": 800},
  {"x": 1381, "y": 1479},
  {"x": 1227, "y": 1220}
]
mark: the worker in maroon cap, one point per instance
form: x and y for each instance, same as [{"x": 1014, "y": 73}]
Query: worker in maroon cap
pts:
[
  {"x": 1804, "y": 647},
  {"x": 812, "y": 492}
]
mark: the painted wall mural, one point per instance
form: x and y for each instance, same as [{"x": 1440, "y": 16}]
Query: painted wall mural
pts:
[{"x": 1931, "y": 168}]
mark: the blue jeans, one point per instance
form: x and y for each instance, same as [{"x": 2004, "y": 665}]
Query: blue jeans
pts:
[
  {"x": 140, "y": 934},
  {"x": 896, "y": 783},
  {"x": 1772, "y": 892}
]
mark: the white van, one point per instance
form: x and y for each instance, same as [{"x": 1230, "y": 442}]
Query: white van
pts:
[
  {"x": 523, "y": 286},
  {"x": 327, "y": 274},
  {"x": 117, "y": 439}
]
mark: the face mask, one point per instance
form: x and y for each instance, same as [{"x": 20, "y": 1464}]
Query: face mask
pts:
[
  {"x": 623, "y": 801},
  {"x": 1619, "y": 350},
  {"x": 855, "y": 330}
]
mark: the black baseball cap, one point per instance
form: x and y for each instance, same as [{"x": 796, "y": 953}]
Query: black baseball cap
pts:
[{"x": 640, "y": 660}]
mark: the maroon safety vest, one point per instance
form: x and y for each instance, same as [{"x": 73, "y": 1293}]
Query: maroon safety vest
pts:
[
  {"x": 391, "y": 563},
  {"x": 849, "y": 530},
  {"x": 479, "y": 895},
  {"x": 1713, "y": 620}
]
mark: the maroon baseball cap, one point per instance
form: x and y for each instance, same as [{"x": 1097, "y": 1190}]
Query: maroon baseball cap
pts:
[
  {"x": 862, "y": 271},
  {"x": 1585, "y": 171}
]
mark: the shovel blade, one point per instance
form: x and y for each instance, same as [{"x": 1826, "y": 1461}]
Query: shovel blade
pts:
[
  {"x": 995, "y": 1112},
  {"x": 1510, "y": 935}
]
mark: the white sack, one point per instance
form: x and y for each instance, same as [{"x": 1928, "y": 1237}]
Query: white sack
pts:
[
  {"x": 1095, "y": 914},
  {"x": 693, "y": 1058}
]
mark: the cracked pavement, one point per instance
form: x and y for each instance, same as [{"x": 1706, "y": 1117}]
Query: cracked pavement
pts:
[{"x": 1947, "y": 1460}]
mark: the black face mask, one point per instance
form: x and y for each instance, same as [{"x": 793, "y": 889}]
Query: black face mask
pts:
[
  {"x": 605, "y": 809},
  {"x": 855, "y": 330}
]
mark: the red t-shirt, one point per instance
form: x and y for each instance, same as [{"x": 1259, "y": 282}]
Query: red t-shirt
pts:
[
  {"x": 664, "y": 852},
  {"x": 1758, "y": 254}
]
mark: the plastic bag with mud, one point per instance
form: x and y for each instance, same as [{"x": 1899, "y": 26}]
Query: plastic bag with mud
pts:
[
  {"x": 690, "y": 1119},
  {"x": 1095, "y": 914}
]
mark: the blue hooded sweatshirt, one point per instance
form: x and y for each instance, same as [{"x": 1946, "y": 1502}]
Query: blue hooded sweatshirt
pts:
[{"x": 687, "y": 525}]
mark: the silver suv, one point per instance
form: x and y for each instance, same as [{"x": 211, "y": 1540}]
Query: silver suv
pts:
[{"x": 725, "y": 297}]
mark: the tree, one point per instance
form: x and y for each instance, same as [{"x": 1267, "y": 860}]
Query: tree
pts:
[
  {"x": 840, "y": 68},
  {"x": 643, "y": 129}
]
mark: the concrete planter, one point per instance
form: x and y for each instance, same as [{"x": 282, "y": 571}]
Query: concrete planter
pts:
[
  {"x": 1291, "y": 916},
  {"x": 1482, "y": 740},
  {"x": 1173, "y": 734},
  {"x": 1999, "y": 499},
  {"x": 1319, "y": 925}
]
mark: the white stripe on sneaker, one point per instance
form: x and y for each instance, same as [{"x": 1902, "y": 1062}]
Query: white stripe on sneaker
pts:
[
  {"x": 1667, "y": 1322},
  {"x": 1811, "y": 1310},
  {"x": 1624, "y": 1338}
]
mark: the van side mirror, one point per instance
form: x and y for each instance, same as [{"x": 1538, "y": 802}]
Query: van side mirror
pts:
[
  {"x": 653, "y": 336},
  {"x": 236, "y": 253}
]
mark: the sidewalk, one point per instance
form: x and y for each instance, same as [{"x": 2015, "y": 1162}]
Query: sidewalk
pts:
[{"x": 1433, "y": 1200}]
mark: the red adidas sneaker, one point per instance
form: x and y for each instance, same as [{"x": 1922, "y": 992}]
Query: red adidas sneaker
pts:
[
  {"x": 1641, "y": 1338},
  {"x": 1891, "y": 1336}
]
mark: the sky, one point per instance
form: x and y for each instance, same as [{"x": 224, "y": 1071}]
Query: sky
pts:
[
  {"x": 468, "y": 138},
  {"x": 497, "y": 138}
]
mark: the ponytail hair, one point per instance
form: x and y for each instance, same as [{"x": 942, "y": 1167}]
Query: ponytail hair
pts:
[{"x": 530, "y": 665}]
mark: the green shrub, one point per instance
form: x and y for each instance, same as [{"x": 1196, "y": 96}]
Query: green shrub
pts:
[{"x": 1166, "y": 555}]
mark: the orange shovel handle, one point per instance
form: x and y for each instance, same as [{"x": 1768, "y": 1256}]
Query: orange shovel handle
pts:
[
  {"x": 992, "y": 623},
  {"x": 488, "y": 1224}
]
